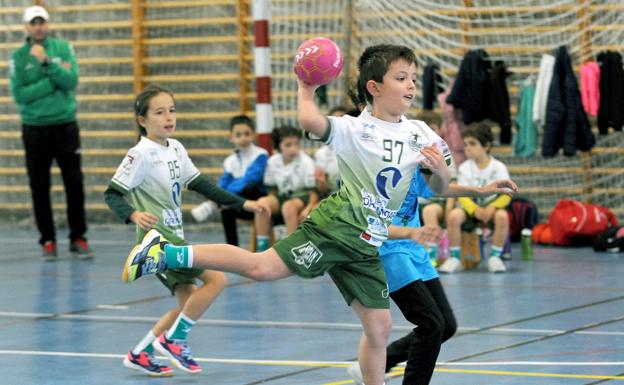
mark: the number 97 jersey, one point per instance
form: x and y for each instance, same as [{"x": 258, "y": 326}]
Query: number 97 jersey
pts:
[{"x": 377, "y": 161}]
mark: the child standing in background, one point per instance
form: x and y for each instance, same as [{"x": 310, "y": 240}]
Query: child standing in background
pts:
[
  {"x": 290, "y": 175},
  {"x": 153, "y": 173},
  {"x": 242, "y": 176},
  {"x": 479, "y": 169}
]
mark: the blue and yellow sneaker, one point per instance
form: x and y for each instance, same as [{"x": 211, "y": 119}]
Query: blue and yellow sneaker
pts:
[
  {"x": 178, "y": 352},
  {"x": 148, "y": 364},
  {"x": 146, "y": 258}
]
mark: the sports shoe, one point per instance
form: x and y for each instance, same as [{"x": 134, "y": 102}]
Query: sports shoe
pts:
[
  {"x": 178, "y": 352},
  {"x": 451, "y": 265},
  {"x": 80, "y": 249},
  {"x": 48, "y": 252},
  {"x": 148, "y": 364},
  {"x": 146, "y": 258},
  {"x": 204, "y": 211},
  {"x": 496, "y": 265},
  {"x": 355, "y": 373}
]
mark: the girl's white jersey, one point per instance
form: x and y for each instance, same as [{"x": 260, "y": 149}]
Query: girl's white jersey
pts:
[
  {"x": 290, "y": 178},
  {"x": 471, "y": 175},
  {"x": 377, "y": 160},
  {"x": 154, "y": 175}
]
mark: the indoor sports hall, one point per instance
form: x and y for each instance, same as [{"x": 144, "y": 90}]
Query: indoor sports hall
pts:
[{"x": 556, "y": 316}]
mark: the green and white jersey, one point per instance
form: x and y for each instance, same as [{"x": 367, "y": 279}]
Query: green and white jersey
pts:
[
  {"x": 377, "y": 160},
  {"x": 154, "y": 176}
]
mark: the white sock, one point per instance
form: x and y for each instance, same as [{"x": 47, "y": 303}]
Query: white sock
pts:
[
  {"x": 145, "y": 342},
  {"x": 186, "y": 322},
  {"x": 190, "y": 256}
]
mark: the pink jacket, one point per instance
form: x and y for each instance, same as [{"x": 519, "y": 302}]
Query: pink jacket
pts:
[{"x": 590, "y": 87}]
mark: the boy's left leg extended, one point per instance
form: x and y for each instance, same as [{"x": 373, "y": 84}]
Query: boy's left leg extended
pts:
[{"x": 155, "y": 254}]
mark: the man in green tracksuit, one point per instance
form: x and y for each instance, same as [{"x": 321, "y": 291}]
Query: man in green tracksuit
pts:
[{"x": 43, "y": 76}]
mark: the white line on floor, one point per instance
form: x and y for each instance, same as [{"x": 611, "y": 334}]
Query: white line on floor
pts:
[
  {"x": 310, "y": 363},
  {"x": 271, "y": 324}
]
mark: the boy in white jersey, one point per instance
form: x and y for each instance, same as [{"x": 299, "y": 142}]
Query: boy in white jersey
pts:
[
  {"x": 479, "y": 169},
  {"x": 290, "y": 176},
  {"x": 242, "y": 175},
  {"x": 378, "y": 154},
  {"x": 153, "y": 173}
]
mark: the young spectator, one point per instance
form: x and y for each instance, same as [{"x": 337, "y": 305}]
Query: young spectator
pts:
[
  {"x": 243, "y": 173},
  {"x": 43, "y": 77},
  {"x": 153, "y": 174},
  {"x": 290, "y": 176},
  {"x": 479, "y": 169}
]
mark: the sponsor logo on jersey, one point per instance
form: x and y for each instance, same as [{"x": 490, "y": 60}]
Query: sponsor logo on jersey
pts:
[
  {"x": 376, "y": 226},
  {"x": 378, "y": 204},
  {"x": 368, "y": 132},
  {"x": 155, "y": 158},
  {"x": 306, "y": 254},
  {"x": 388, "y": 174},
  {"x": 172, "y": 217},
  {"x": 415, "y": 142}
]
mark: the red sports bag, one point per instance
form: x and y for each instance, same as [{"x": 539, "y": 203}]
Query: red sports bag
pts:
[{"x": 570, "y": 219}]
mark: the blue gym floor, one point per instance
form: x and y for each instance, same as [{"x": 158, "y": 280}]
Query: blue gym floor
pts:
[{"x": 556, "y": 320}]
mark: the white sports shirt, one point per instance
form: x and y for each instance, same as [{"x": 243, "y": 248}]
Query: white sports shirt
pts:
[
  {"x": 290, "y": 178},
  {"x": 471, "y": 175},
  {"x": 154, "y": 175}
]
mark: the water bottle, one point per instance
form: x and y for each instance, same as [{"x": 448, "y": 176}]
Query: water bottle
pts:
[{"x": 527, "y": 246}]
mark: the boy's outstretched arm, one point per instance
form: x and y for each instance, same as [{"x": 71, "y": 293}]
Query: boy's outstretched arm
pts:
[
  {"x": 310, "y": 117},
  {"x": 503, "y": 186}
]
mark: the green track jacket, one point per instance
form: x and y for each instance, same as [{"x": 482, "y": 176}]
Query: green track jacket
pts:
[{"x": 45, "y": 94}]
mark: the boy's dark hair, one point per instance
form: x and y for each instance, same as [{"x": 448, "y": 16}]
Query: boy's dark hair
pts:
[
  {"x": 375, "y": 62},
  {"x": 242, "y": 119},
  {"x": 142, "y": 101},
  {"x": 430, "y": 117},
  {"x": 280, "y": 133},
  {"x": 481, "y": 131}
]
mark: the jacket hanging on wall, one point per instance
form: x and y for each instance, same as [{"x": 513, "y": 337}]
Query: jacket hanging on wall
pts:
[
  {"x": 611, "y": 111},
  {"x": 480, "y": 91},
  {"x": 470, "y": 88},
  {"x": 498, "y": 100},
  {"x": 566, "y": 125}
]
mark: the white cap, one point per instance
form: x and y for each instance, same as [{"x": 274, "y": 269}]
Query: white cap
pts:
[{"x": 35, "y": 11}]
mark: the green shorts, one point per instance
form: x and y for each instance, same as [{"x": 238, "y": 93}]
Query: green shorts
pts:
[
  {"x": 172, "y": 278},
  {"x": 310, "y": 252}
]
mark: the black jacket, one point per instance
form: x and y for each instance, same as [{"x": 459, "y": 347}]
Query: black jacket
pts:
[
  {"x": 611, "y": 111},
  {"x": 566, "y": 124}
]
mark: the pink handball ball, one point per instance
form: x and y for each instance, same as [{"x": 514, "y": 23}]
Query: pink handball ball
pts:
[{"x": 318, "y": 61}]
